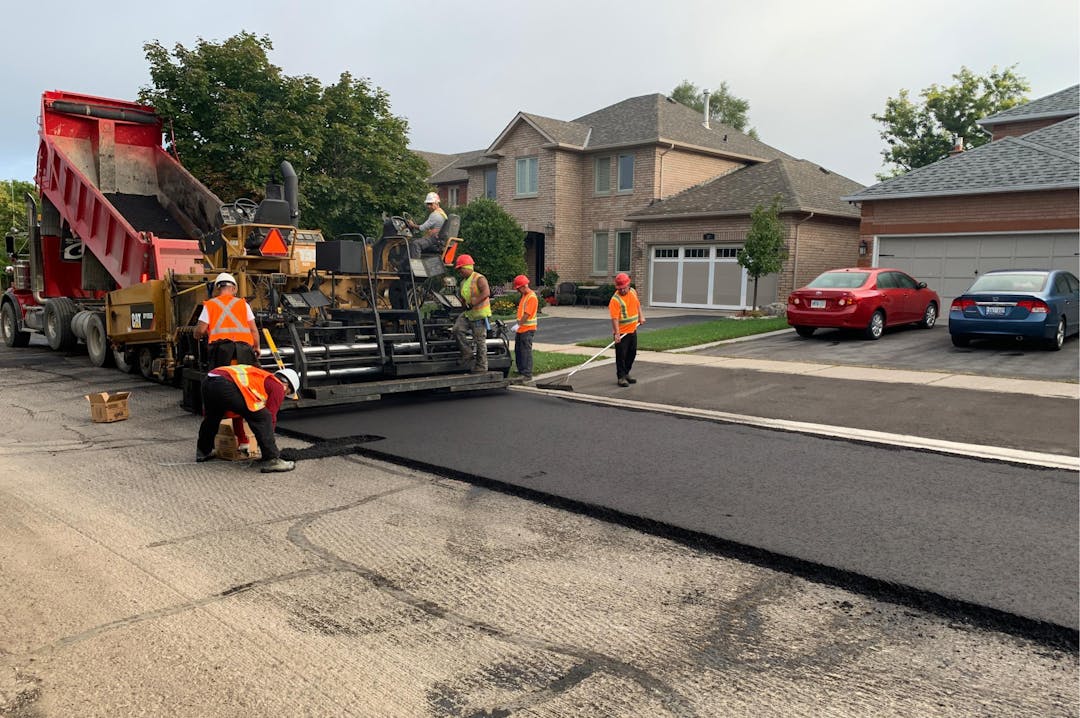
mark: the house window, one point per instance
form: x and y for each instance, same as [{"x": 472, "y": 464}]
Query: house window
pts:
[
  {"x": 626, "y": 173},
  {"x": 695, "y": 252},
  {"x": 665, "y": 253},
  {"x": 452, "y": 196},
  {"x": 727, "y": 252},
  {"x": 528, "y": 172},
  {"x": 599, "y": 243},
  {"x": 603, "y": 175},
  {"x": 622, "y": 251},
  {"x": 489, "y": 183}
]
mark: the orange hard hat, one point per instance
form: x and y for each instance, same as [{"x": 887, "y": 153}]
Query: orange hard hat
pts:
[
  {"x": 520, "y": 281},
  {"x": 622, "y": 279},
  {"x": 462, "y": 261}
]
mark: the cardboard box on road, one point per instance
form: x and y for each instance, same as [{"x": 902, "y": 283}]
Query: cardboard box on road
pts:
[
  {"x": 106, "y": 408},
  {"x": 226, "y": 446}
]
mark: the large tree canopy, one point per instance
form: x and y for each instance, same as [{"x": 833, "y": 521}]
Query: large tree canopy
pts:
[
  {"x": 723, "y": 106},
  {"x": 235, "y": 116},
  {"x": 921, "y": 133}
]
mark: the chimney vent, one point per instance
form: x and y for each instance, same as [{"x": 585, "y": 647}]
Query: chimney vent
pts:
[
  {"x": 958, "y": 146},
  {"x": 706, "y": 122}
]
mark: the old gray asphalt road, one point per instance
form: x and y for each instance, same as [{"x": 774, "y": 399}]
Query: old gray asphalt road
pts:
[
  {"x": 985, "y": 533},
  {"x": 134, "y": 582}
]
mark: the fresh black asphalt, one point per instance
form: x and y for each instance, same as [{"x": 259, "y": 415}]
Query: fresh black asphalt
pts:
[{"x": 990, "y": 534}]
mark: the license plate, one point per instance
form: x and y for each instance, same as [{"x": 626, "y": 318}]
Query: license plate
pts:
[
  {"x": 817, "y": 303},
  {"x": 995, "y": 311}
]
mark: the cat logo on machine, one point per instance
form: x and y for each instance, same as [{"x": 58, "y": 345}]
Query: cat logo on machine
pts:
[{"x": 142, "y": 316}]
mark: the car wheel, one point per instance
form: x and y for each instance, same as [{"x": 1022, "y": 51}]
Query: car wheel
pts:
[
  {"x": 876, "y": 327},
  {"x": 929, "y": 317},
  {"x": 805, "y": 331},
  {"x": 1059, "y": 337},
  {"x": 959, "y": 340}
]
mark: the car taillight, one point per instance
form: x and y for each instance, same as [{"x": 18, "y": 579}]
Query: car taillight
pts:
[
  {"x": 959, "y": 305},
  {"x": 848, "y": 300},
  {"x": 793, "y": 299},
  {"x": 1035, "y": 306}
]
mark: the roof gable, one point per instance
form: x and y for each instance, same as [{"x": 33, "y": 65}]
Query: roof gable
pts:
[
  {"x": 1040, "y": 160},
  {"x": 802, "y": 186}
]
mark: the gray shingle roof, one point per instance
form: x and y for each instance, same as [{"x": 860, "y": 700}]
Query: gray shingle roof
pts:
[
  {"x": 1064, "y": 103},
  {"x": 453, "y": 171},
  {"x": 565, "y": 133},
  {"x": 435, "y": 160},
  {"x": 803, "y": 186},
  {"x": 1045, "y": 159}
]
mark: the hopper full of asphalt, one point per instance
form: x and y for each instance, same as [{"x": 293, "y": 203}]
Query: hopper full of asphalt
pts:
[{"x": 976, "y": 532}]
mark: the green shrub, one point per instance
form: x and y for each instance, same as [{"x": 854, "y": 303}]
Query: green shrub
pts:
[{"x": 505, "y": 303}]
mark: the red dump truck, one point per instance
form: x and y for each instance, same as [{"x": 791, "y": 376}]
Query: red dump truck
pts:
[{"x": 126, "y": 242}]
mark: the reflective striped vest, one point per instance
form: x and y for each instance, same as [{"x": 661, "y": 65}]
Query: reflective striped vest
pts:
[
  {"x": 627, "y": 322},
  {"x": 467, "y": 287},
  {"x": 526, "y": 313},
  {"x": 228, "y": 320},
  {"x": 251, "y": 380}
]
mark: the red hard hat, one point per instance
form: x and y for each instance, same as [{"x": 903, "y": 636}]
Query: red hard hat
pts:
[
  {"x": 622, "y": 279},
  {"x": 462, "y": 261},
  {"x": 520, "y": 281}
]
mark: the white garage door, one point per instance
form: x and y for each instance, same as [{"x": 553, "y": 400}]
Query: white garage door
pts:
[
  {"x": 703, "y": 277},
  {"x": 949, "y": 264}
]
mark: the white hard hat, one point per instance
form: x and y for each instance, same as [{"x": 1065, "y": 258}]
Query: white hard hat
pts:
[
  {"x": 291, "y": 378},
  {"x": 225, "y": 277},
  {"x": 431, "y": 198}
]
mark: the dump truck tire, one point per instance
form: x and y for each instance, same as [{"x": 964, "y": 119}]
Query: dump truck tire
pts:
[
  {"x": 9, "y": 327},
  {"x": 58, "y": 315},
  {"x": 97, "y": 341}
]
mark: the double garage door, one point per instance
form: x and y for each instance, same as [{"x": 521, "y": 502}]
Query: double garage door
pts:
[
  {"x": 703, "y": 277},
  {"x": 949, "y": 264}
]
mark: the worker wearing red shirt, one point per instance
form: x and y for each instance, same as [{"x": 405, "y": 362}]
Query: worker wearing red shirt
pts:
[
  {"x": 625, "y": 311},
  {"x": 252, "y": 393}
]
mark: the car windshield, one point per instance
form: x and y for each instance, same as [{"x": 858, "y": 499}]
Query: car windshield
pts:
[
  {"x": 839, "y": 280},
  {"x": 1010, "y": 282}
]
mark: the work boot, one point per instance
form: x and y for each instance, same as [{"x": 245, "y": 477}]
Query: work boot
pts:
[
  {"x": 623, "y": 381},
  {"x": 200, "y": 457},
  {"x": 631, "y": 379},
  {"x": 277, "y": 465}
]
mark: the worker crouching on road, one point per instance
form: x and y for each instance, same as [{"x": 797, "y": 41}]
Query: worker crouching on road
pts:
[
  {"x": 476, "y": 294},
  {"x": 256, "y": 395},
  {"x": 626, "y": 315},
  {"x": 229, "y": 326},
  {"x": 525, "y": 327}
]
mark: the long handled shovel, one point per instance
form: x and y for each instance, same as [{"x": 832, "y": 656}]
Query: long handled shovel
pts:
[
  {"x": 274, "y": 351},
  {"x": 564, "y": 384}
]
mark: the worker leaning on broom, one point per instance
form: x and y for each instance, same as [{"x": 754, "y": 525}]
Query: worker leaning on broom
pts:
[{"x": 525, "y": 327}]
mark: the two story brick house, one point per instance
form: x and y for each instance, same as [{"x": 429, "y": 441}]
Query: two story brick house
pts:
[
  {"x": 590, "y": 194},
  {"x": 1011, "y": 203}
]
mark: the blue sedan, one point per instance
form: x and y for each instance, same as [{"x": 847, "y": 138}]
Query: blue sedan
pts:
[{"x": 1038, "y": 304}]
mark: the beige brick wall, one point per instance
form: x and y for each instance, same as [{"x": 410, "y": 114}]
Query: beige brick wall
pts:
[
  {"x": 677, "y": 170},
  {"x": 1022, "y": 127}
]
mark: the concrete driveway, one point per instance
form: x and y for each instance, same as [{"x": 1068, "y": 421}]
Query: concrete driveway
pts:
[{"x": 915, "y": 349}]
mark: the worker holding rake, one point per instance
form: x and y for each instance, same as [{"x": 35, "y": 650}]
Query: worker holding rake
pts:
[{"x": 626, "y": 315}]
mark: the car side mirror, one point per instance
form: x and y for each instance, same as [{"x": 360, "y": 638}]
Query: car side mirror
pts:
[{"x": 921, "y": 285}]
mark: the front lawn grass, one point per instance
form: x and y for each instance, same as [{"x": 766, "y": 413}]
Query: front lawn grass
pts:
[
  {"x": 690, "y": 335},
  {"x": 543, "y": 362}
]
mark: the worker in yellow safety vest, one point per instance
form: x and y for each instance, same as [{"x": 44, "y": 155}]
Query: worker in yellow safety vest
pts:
[
  {"x": 253, "y": 394},
  {"x": 626, "y": 315},
  {"x": 525, "y": 329},
  {"x": 471, "y": 326}
]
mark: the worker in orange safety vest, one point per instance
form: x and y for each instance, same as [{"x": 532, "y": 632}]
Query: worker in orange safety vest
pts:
[
  {"x": 525, "y": 328},
  {"x": 626, "y": 315},
  {"x": 229, "y": 326}
]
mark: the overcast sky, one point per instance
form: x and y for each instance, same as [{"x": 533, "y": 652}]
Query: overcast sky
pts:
[{"x": 813, "y": 72}]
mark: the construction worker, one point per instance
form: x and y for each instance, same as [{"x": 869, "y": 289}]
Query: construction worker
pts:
[
  {"x": 626, "y": 315},
  {"x": 229, "y": 325},
  {"x": 476, "y": 294},
  {"x": 254, "y": 394},
  {"x": 525, "y": 328},
  {"x": 435, "y": 220}
]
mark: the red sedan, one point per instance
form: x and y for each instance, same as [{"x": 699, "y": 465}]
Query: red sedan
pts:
[{"x": 864, "y": 298}]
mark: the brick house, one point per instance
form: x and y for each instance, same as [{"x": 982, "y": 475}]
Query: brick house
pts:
[
  {"x": 576, "y": 187},
  {"x": 1011, "y": 203}
]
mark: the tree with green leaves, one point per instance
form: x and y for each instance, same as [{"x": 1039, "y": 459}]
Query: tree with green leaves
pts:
[
  {"x": 233, "y": 116},
  {"x": 13, "y": 207},
  {"x": 765, "y": 250},
  {"x": 723, "y": 105},
  {"x": 923, "y": 132},
  {"x": 494, "y": 239}
]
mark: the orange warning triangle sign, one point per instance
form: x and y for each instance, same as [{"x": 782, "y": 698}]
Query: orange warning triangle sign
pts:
[{"x": 274, "y": 245}]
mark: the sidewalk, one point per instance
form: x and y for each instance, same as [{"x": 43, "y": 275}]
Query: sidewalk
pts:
[{"x": 684, "y": 357}]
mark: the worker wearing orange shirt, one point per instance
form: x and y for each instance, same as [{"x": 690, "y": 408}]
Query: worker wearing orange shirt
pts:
[
  {"x": 626, "y": 315},
  {"x": 525, "y": 327}
]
